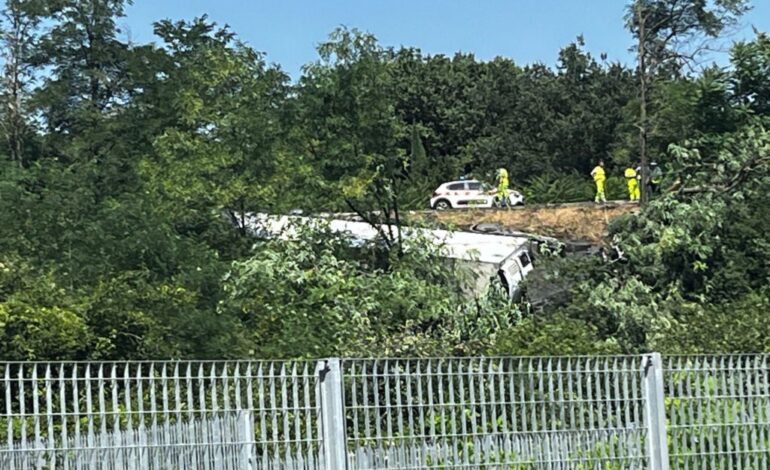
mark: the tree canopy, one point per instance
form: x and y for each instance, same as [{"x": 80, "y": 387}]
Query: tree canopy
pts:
[{"x": 126, "y": 169}]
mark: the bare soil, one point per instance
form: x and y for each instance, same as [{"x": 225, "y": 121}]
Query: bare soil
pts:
[{"x": 579, "y": 221}]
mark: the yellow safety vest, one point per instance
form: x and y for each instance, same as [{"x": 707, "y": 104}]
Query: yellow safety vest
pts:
[
  {"x": 630, "y": 173},
  {"x": 598, "y": 173}
]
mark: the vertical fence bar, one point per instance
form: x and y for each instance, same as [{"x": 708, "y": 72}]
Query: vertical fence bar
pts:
[
  {"x": 115, "y": 455},
  {"x": 143, "y": 461},
  {"x": 91, "y": 436},
  {"x": 333, "y": 438},
  {"x": 23, "y": 418},
  {"x": 76, "y": 417},
  {"x": 131, "y": 444},
  {"x": 50, "y": 417},
  {"x": 65, "y": 419},
  {"x": 10, "y": 418},
  {"x": 245, "y": 439},
  {"x": 191, "y": 415},
  {"x": 250, "y": 407},
  {"x": 656, "y": 413},
  {"x": 36, "y": 419}
]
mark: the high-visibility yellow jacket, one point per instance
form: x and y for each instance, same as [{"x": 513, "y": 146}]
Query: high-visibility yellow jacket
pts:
[
  {"x": 656, "y": 175},
  {"x": 598, "y": 173},
  {"x": 502, "y": 179}
]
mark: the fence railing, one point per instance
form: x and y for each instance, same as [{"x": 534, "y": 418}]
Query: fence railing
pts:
[
  {"x": 718, "y": 411},
  {"x": 516, "y": 413},
  {"x": 460, "y": 413}
]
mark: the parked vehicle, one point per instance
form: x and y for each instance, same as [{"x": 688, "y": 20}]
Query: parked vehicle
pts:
[
  {"x": 470, "y": 193},
  {"x": 493, "y": 259}
]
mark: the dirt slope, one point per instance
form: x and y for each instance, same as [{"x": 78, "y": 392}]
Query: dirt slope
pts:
[{"x": 582, "y": 221}]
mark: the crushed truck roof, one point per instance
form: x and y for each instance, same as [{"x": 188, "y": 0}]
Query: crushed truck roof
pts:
[{"x": 479, "y": 247}]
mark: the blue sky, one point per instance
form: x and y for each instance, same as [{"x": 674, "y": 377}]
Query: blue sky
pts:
[{"x": 524, "y": 30}]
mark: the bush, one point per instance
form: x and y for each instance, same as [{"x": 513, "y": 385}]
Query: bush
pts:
[
  {"x": 548, "y": 189},
  {"x": 740, "y": 326},
  {"x": 548, "y": 335},
  {"x": 573, "y": 187}
]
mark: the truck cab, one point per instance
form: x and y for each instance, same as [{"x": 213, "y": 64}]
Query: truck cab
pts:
[{"x": 513, "y": 270}]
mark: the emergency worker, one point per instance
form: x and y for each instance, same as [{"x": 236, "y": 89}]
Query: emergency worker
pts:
[{"x": 599, "y": 178}]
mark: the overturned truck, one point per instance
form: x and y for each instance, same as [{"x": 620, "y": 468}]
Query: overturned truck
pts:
[{"x": 498, "y": 260}]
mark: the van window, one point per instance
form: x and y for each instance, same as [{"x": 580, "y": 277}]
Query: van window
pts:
[
  {"x": 524, "y": 260},
  {"x": 456, "y": 187}
]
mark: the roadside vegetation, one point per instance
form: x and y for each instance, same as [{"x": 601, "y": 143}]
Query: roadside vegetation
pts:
[{"x": 125, "y": 167}]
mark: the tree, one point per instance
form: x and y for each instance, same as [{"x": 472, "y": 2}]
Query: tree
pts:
[
  {"x": 587, "y": 117},
  {"x": 352, "y": 132},
  {"x": 20, "y": 37},
  {"x": 88, "y": 80},
  {"x": 38, "y": 320},
  {"x": 218, "y": 147},
  {"x": 83, "y": 49},
  {"x": 420, "y": 178},
  {"x": 751, "y": 60},
  {"x": 670, "y": 35}
]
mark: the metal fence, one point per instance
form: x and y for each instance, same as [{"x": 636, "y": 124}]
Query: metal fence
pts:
[
  {"x": 197, "y": 415},
  {"x": 476, "y": 413},
  {"x": 718, "y": 411},
  {"x": 495, "y": 413}
]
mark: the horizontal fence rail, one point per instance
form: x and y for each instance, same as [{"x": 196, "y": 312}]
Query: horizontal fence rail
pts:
[{"x": 630, "y": 412}]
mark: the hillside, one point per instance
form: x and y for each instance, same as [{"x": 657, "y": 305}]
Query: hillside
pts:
[{"x": 578, "y": 221}]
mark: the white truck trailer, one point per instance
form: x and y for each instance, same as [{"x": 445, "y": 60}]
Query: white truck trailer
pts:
[{"x": 492, "y": 258}]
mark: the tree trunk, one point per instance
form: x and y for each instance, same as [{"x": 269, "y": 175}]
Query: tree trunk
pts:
[
  {"x": 643, "y": 83},
  {"x": 397, "y": 215},
  {"x": 14, "y": 121}
]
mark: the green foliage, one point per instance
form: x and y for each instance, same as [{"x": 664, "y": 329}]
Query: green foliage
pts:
[
  {"x": 752, "y": 80},
  {"x": 690, "y": 255},
  {"x": 325, "y": 300},
  {"x": 546, "y": 189},
  {"x": 554, "y": 188},
  {"x": 218, "y": 148},
  {"x": 37, "y": 321},
  {"x": 129, "y": 168},
  {"x": 350, "y": 127},
  {"x": 736, "y": 326},
  {"x": 556, "y": 335}
]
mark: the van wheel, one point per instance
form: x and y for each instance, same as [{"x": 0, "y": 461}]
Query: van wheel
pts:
[{"x": 442, "y": 205}]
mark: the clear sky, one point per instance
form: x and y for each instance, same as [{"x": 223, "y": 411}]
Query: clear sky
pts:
[{"x": 524, "y": 30}]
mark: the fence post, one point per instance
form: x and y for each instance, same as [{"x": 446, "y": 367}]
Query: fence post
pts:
[
  {"x": 657, "y": 443},
  {"x": 246, "y": 439},
  {"x": 333, "y": 438}
]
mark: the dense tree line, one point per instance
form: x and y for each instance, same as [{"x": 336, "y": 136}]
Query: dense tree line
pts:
[{"x": 126, "y": 167}]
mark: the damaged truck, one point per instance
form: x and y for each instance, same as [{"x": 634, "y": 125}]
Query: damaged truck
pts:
[{"x": 495, "y": 260}]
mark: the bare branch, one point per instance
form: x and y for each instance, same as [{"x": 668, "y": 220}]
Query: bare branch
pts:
[{"x": 370, "y": 221}]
